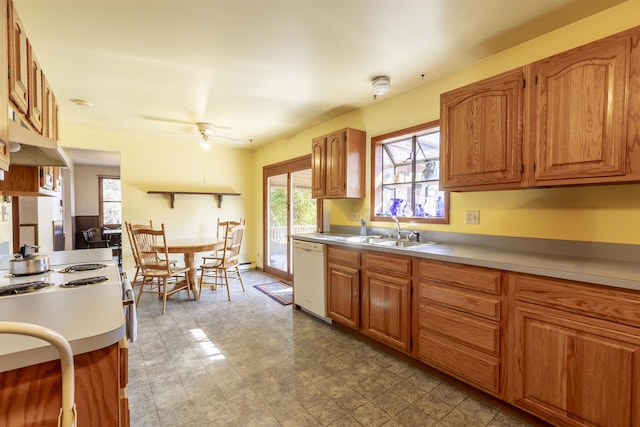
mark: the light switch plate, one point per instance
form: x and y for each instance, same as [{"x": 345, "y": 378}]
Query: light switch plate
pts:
[{"x": 472, "y": 217}]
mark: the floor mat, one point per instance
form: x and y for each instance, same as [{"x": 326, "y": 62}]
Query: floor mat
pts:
[{"x": 278, "y": 291}]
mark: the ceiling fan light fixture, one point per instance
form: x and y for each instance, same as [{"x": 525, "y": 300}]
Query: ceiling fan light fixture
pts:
[
  {"x": 206, "y": 130},
  {"x": 204, "y": 140},
  {"x": 381, "y": 85}
]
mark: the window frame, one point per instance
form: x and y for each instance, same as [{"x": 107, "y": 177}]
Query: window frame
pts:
[
  {"x": 101, "y": 200},
  {"x": 376, "y": 174}
]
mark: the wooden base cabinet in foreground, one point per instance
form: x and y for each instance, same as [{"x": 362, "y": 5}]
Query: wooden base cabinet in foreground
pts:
[
  {"x": 565, "y": 351},
  {"x": 32, "y": 396},
  {"x": 460, "y": 323},
  {"x": 576, "y": 352},
  {"x": 386, "y": 299},
  {"x": 343, "y": 286}
]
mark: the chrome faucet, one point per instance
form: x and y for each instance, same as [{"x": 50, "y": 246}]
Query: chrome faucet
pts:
[{"x": 395, "y": 218}]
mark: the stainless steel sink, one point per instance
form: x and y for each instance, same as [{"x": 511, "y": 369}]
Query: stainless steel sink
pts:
[
  {"x": 401, "y": 243},
  {"x": 376, "y": 241}
]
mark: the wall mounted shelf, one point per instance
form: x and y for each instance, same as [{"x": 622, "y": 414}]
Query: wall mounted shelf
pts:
[{"x": 172, "y": 195}]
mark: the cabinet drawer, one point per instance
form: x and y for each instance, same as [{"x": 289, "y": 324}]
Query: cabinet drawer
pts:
[
  {"x": 343, "y": 256},
  {"x": 603, "y": 302},
  {"x": 476, "y": 278},
  {"x": 482, "y": 335},
  {"x": 387, "y": 264},
  {"x": 472, "y": 366},
  {"x": 481, "y": 305}
]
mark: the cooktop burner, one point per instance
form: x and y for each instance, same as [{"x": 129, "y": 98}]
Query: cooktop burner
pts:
[
  {"x": 82, "y": 267},
  {"x": 23, "y": 288},
  {"x": 28, "y": 274},
  {"x": 84, "y": 282}
]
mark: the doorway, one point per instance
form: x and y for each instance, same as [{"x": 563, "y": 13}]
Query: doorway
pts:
[{"x": 289, "y": 209}]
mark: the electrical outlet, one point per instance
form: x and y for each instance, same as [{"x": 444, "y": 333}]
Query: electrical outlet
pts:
[
  {"x": 472, "y": 217},
  {"x": 355, "y": 216}
]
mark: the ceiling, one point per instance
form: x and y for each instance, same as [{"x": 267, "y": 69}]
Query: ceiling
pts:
[{"x": 262, "y": 70}]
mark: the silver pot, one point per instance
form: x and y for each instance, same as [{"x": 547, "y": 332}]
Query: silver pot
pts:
[{"x": 28, "y": 262}]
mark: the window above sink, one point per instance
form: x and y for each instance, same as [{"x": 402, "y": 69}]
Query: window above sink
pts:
[{"x": 405, "y": 176}]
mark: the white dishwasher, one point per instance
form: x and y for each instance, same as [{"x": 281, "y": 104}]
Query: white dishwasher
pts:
[{"x": 309, "y": 261}]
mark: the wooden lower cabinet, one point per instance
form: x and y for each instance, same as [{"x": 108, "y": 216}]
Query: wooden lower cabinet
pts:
[
  {"x": 343, "y": 286},
  {"x": 386, "y": 300},
  {"x": 460, "y": 326},
  {"x": 567, "y": 352},
  {"x": 570, "y": 365},
  {"x": 32, "y": 396}
]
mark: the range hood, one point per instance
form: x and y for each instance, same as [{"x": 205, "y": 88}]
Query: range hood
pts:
[{"x": 34, "y": 149}]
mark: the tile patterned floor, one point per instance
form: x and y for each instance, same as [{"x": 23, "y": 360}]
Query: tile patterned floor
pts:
[{"x": 254, "y": 362}]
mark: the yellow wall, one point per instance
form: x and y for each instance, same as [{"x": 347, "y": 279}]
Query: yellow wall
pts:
[
  {"x": 602, "y": 214},
  {"x": 165, "y": 163},
  {"x": 594, "y": 213}
]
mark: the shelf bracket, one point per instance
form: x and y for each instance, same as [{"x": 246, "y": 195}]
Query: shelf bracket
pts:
[
  {"x": 218, "y": 200},
  {"x": 172, "y": 197}
]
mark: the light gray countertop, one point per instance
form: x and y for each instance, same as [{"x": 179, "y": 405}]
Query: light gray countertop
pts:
[{"x": 600, "y": 271}]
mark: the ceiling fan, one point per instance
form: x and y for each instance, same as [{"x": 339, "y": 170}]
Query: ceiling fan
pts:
[{"x": 207, "y": 131}]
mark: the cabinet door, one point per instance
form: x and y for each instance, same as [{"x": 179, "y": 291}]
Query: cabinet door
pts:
[
  {"x": 47, "y": 113},
  {"x": 46, "y": 177},
  {"x": 343, "y": 295},
  {"x": 575, "y": 371},
  {"x": 18, "y": 62},
  {"x": 336, "y": 165},
  {"x": 580, "y": 112},
  {"x": 35, "y": 107},
  {"x": 319, "y": 167},
  {"x": 57, "y": 178},
  {"x": 386, "y": 309},
  {"x": 4, "y": 96},
  {"x": 481, "y": 133}
]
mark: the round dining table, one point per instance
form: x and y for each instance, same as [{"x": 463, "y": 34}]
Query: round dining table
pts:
[{"x": 189, "y": 247}]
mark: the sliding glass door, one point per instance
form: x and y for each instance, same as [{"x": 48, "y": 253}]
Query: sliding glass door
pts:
[{"x": 289, "y": 209}]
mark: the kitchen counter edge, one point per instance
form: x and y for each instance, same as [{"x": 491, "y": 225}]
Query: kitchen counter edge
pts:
[{"x": 619, "y": 274}]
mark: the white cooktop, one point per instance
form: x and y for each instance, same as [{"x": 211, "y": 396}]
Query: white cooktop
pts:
[{"x": 89, "y": 316}]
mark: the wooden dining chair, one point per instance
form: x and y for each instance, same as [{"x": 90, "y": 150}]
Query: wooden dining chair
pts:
[
  {"x": 95, "y": 238},
  {"x": 129, "y": 227},
  {"x": 225, "y": 266},
  {"x": 221, "y": 230},
  {"x": 222, "y": 226},
  {"x": 151, "y": 245}
]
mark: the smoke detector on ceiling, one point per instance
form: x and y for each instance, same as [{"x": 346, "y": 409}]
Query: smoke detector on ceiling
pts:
[{"x": 381, "y": 85}]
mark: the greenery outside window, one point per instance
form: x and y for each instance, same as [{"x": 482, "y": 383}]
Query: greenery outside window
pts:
[
  {"x": 405, "y": 176},
  {"x": 110, "y": 201}
]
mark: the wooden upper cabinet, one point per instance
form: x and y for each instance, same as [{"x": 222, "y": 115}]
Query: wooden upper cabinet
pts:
[
  {"x": 318, "y": 167},
  {"x": 337, "y": 164},
  {"x": 481, "y": 133},
  {"x": 36, "y": 91},
  {"x": 575, "y": 121},
  {"x": 580, "y": 112},
  {"x": 50, "y": 113},
  {"x": 18, "y": 62},
  {"x": 4, "y": 96}
]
